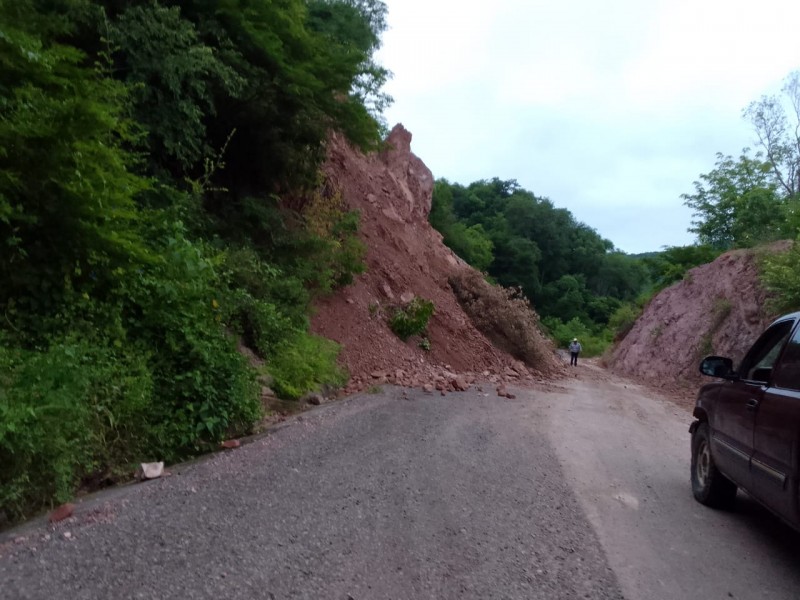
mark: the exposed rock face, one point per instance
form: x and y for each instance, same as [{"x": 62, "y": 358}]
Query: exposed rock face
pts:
[
  {"x": 719, "y": 308},
  {"x": 406, "y": 257}
]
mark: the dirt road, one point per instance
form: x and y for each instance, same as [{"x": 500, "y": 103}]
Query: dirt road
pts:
[
  {"x": 625, "y": 454},
  {"x": 580, "y": 492}
]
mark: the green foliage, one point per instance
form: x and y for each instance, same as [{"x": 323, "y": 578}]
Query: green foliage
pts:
[
  {"x": 670, "y": 265},
  {"x": 305, "y": 363},
  {"x": 594, "y": 339},
  {"x": 737, "y": 204},
  {"x": 411, "y": 319},
  {"x": 158, "y": 163},
  {"x": 780, "y": 274},
  {"x": 67, "y": 206},
  {"x": 563, "y": 266},
  {"x": 621, "y": 322},
  {"x": 174, "y": 77},
  {"x": 65, "y": 413},
  {"x": 754, "y": 200}
]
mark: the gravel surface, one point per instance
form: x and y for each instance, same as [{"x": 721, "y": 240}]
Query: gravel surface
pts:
[
  {"x": 625, "y": 453},
  {"x": 380, "y": 496}
]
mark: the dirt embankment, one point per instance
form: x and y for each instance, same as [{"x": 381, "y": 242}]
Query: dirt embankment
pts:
[
  {"x": 405, "y": 258},
  {"x": 719, "y": 308}
]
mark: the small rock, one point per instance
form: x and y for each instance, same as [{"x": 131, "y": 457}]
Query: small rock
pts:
[
  {"x": 315, "y": 399},
  {"x": 406, "y": 297},
  {"x": 67, "y": 535},
  {"x": 230, "y": 444},
  {"x": 152, "y": 470},
  {"x": 62, "y": 512},
  {"x": 502, "y": 391},
  {"x": 350, "y": 301},
  {"x": 427, "y": 388},
  {"x": 460, "y": 384}
]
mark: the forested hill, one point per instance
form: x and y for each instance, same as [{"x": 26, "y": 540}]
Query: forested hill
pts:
[
  {"x": 160, "y": 199},
  {"x": 575, "y": 279}
]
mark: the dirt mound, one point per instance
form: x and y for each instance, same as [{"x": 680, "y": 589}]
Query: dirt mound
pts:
[
  {"x": 719, "y": 308},
  {"x": 405, "y": 258}
]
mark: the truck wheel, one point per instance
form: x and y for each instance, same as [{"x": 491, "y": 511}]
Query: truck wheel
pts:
[{"x": 709, "y": 486}]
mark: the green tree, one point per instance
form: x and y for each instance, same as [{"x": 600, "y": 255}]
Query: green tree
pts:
[
  {"x": 779, "y": 133},
  {"x": 67, "y": 210},
  {"x": 736, "y": 204}
]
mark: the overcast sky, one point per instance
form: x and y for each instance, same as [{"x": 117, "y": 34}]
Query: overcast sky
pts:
[{"x": 610, "y": 109}]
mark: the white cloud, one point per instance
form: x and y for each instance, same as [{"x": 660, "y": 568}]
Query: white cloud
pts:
[{"x": 611, "y": 109}]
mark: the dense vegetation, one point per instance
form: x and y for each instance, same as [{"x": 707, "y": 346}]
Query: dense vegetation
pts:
[
  {"x": 755, "y": 199},
  {"x": 579, "y": 284},
  {"x": 160, "y": 200}
]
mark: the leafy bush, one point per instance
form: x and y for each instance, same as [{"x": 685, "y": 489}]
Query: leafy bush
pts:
[
  {"x": 303, "y": 364},
  {"x": 780, "y": 274},
  {"x": 504, "y": 316},
  {"x": 623, "y": 320},
  {"x": 594, "y": 340},
  {"x": 205, "y": 387},
  {"x": 411, "y": 319},
  {"x": 65, "y": 413},
  {"x": 149, "y": 160}
]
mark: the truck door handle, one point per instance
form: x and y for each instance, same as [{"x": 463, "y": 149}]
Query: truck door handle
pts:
[{"x": 752, "y": 404}]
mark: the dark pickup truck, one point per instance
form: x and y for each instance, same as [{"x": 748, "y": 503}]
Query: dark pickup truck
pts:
[{"x": 747, "y": 432}]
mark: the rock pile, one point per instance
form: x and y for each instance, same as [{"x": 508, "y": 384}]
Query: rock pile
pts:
[{"x": 406, "y": 257}]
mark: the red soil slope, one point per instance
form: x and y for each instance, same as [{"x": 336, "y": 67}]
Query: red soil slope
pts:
[
  {"x": 719, "y": 308},
  {"x": 406, "y": 257}
]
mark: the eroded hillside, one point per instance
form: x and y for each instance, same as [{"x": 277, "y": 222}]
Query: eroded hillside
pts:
[
  {"x": 405, "y": 258},
  {"x": 718, "y": 308}
]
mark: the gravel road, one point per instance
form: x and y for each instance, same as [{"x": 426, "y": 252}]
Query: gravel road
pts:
[
  {"x": 577, "y": 492},
  {"x": 376, "y": 497},
  {"x": 626, "y": 455}
]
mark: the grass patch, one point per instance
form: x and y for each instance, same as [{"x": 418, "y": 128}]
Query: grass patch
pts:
[{"x": 411, "y": 319}]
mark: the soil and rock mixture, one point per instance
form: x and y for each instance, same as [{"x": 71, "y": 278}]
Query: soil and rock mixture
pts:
[
  {"x": 406, "y": 258},
  {"x": 719, "y": 308}
]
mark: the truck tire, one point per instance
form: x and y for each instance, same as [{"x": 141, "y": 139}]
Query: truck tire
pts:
[{"x": 709, "y": 485}]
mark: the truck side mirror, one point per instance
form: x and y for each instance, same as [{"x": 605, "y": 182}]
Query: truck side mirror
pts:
[{"x": 718, "y": 366}]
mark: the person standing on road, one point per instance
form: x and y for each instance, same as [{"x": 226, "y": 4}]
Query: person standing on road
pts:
[{"x": 574, "y": 350}]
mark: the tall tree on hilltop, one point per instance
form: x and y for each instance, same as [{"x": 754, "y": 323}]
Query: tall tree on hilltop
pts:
[{"x": 779, "y": 133}]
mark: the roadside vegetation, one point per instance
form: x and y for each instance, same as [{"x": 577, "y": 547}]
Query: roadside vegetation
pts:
[
  {"x": 579, "y": 284},
  {"x": 754, "y": 199},
  {"x": 160, "y": 200}
]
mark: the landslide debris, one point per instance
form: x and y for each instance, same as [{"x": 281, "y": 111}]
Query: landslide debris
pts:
[
  {"x": 406, "y": 258},
  {"x": 718, "y": 308}
]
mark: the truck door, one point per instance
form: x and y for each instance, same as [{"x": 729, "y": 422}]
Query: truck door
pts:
[
  {"x": 733, "y": 420},
  {"x": 775, "y": 459}
]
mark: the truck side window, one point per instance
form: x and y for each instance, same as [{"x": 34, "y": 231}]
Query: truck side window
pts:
[
  {"x": 787, "y": 374},
  {"x": 757, "y": 365}
]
